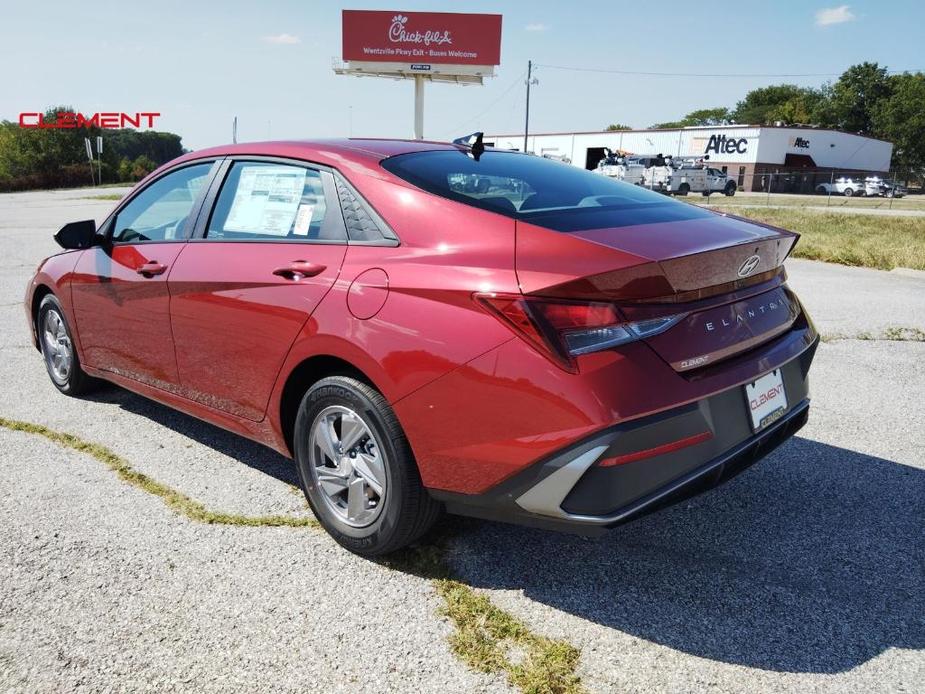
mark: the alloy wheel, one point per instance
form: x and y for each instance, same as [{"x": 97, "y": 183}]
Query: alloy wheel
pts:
[
  {"x": 58, "y": 350},
  {"x": 347, "y": 466}
]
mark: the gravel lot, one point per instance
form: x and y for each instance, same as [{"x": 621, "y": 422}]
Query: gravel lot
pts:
[{"x": 805, "y": 574}]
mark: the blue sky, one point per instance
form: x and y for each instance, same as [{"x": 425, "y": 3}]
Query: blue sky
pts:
[{"x": 201, "y": 63}]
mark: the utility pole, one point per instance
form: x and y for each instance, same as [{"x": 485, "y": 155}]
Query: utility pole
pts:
[{"x": 530, "y": 80}]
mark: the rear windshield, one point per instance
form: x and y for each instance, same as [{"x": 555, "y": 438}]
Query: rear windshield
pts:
[{"x": 541, "y": 191}]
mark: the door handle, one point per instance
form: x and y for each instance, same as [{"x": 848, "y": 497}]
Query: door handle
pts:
[
  {"x": 298, "y": 269},
  {"x": 151, "y": 268}
]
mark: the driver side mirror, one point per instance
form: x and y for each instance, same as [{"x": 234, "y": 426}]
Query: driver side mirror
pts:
[{"x": 77, "y": 235}]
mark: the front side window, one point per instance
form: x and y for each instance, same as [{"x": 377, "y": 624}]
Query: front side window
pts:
[
  {"x": 273, "y": 202},
  {"x": 161, "y": 211},
  {"x": 540, "y": 191}
]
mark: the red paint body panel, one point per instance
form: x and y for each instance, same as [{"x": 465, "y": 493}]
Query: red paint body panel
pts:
[
  {"x": 124, "y": 317},
  {"x": 234, "y": 320},
  {"x": 218, "y": 335}
]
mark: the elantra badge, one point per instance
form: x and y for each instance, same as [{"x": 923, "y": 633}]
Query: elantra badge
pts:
[{"x": 749, "y": 266}]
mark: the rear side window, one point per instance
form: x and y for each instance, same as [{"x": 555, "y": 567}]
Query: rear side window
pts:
[
  {"x": 273, "y": 202},
  {"x": 537, "y": 190}
]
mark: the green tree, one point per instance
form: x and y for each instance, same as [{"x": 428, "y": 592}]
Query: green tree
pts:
[
  {"x": 707, "y": 116},
  {"x": 856, "y": 95},
  {"x": 142, "y": 166},
  {"x": 778, "y": 102},
  {"x": 900, "y": 118},
  {"x": 613, "y": 127},
  {"x": 704, "y": 116}
]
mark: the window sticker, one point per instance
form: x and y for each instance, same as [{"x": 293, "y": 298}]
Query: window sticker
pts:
[
  {"x": 266, "y": 199},
  {"x": 303, "y": 220}
]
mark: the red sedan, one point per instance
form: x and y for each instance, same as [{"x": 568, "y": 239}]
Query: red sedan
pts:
[{"x": 427, "y": 326}]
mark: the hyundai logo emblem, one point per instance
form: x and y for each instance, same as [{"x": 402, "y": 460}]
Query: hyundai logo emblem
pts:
[{"x": 749, "y": 266}]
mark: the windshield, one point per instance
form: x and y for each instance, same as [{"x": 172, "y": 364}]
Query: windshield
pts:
[{"x": 540, "y": 191}]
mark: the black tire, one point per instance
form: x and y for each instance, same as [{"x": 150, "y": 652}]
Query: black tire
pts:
[
  {"x": 76, "y": 381},
  {"x": 407, "y": 512},
  {"x": 684, "y": 189},
  {"x": 730, "y": 189}
]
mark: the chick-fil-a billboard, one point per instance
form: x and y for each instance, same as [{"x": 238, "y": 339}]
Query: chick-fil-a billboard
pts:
[{"x": 422, "y": 37}]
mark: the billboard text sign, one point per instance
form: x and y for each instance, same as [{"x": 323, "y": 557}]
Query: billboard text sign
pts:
[{"x": 422, "y": 37}]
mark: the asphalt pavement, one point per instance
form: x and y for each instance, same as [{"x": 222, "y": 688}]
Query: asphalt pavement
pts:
[{"x": 806, "y": 573}]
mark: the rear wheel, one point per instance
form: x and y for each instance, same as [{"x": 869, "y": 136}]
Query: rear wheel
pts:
[
  {"x": 730, "y": 189},
  {"x": 684, "y": 189},
  {"x": 58, "y": 350},
  {"x": 849, "y": 192},
  {"x": 357, "y": 469}
]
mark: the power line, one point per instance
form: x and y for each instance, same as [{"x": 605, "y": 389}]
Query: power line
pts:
[
  {"x": 458, "y": 129},
  {"x": 702, "y": 74}
]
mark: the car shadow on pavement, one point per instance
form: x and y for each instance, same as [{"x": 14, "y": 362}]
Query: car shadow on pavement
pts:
[
  {"x": 813, "y": 561},
  {"x": 243, "y": 450}
]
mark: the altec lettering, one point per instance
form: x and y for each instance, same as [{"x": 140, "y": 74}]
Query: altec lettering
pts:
[
  {"x": 720, "y": 144},
  {"x": 70, "y": 120},
  {"x": 799, "y": 143}
]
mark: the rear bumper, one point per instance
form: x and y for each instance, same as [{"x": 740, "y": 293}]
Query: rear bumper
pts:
[{"x": 571, "y": 490}]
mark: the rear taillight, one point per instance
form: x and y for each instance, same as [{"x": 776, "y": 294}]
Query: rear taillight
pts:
[{"x": 563, "y": 330}]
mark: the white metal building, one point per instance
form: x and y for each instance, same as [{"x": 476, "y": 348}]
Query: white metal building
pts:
[{"x": 747, "y": 153}]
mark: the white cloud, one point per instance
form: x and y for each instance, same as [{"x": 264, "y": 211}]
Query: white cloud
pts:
[
  {"x": 834, "y": 15},
  {"x": 282, "y": 39},
  {"x": 536, "y": 26}
]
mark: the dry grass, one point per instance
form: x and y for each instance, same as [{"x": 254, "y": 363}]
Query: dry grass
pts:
[{"x": 877, "y": 241}]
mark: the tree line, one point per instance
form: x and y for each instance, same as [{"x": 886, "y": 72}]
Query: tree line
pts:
[
  {"x": 866, "y": 99},
  {"x": 33, "y": 158}
]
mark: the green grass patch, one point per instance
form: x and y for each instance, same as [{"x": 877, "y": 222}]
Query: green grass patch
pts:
[
  {"x": 486, "y": 638},
  {"x": 875, "y": 241},
  {"x": 173, "y": 499},
  {"x": 107, "y": 196}
]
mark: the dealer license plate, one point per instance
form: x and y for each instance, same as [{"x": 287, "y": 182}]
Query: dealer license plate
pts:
[{"x": 767, "y": 401}]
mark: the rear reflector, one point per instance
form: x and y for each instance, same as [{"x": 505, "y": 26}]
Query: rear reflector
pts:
[{"x": 657, "y": 450}]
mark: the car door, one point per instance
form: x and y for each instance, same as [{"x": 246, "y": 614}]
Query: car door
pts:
[
  {"x": 119, "y": 289},
  {"x": 262, "y": 259}
]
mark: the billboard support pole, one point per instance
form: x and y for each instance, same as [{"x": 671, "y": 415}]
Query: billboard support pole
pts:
[{"x": 419, "y": 107}]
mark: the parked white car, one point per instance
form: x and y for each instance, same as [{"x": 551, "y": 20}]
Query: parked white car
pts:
[{"x": 843, "y": 185}]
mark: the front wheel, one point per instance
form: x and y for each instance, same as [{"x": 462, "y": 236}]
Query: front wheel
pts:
[
  {"x": 357, "y": 469},
  {"x": 58, "y": 351},
  {"x": 684, "y": 189},
  {"x": 849, "y": 192},
  {"x": 730, "y": 190}
]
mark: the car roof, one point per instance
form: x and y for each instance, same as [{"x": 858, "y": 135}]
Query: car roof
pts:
[{"x": 333, "y": 152}]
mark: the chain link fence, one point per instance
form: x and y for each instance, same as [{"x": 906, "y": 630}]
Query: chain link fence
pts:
[{"x": 817, "y": 189}]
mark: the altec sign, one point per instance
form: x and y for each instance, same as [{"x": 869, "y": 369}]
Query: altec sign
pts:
[{"x": 421, "y": 37}]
